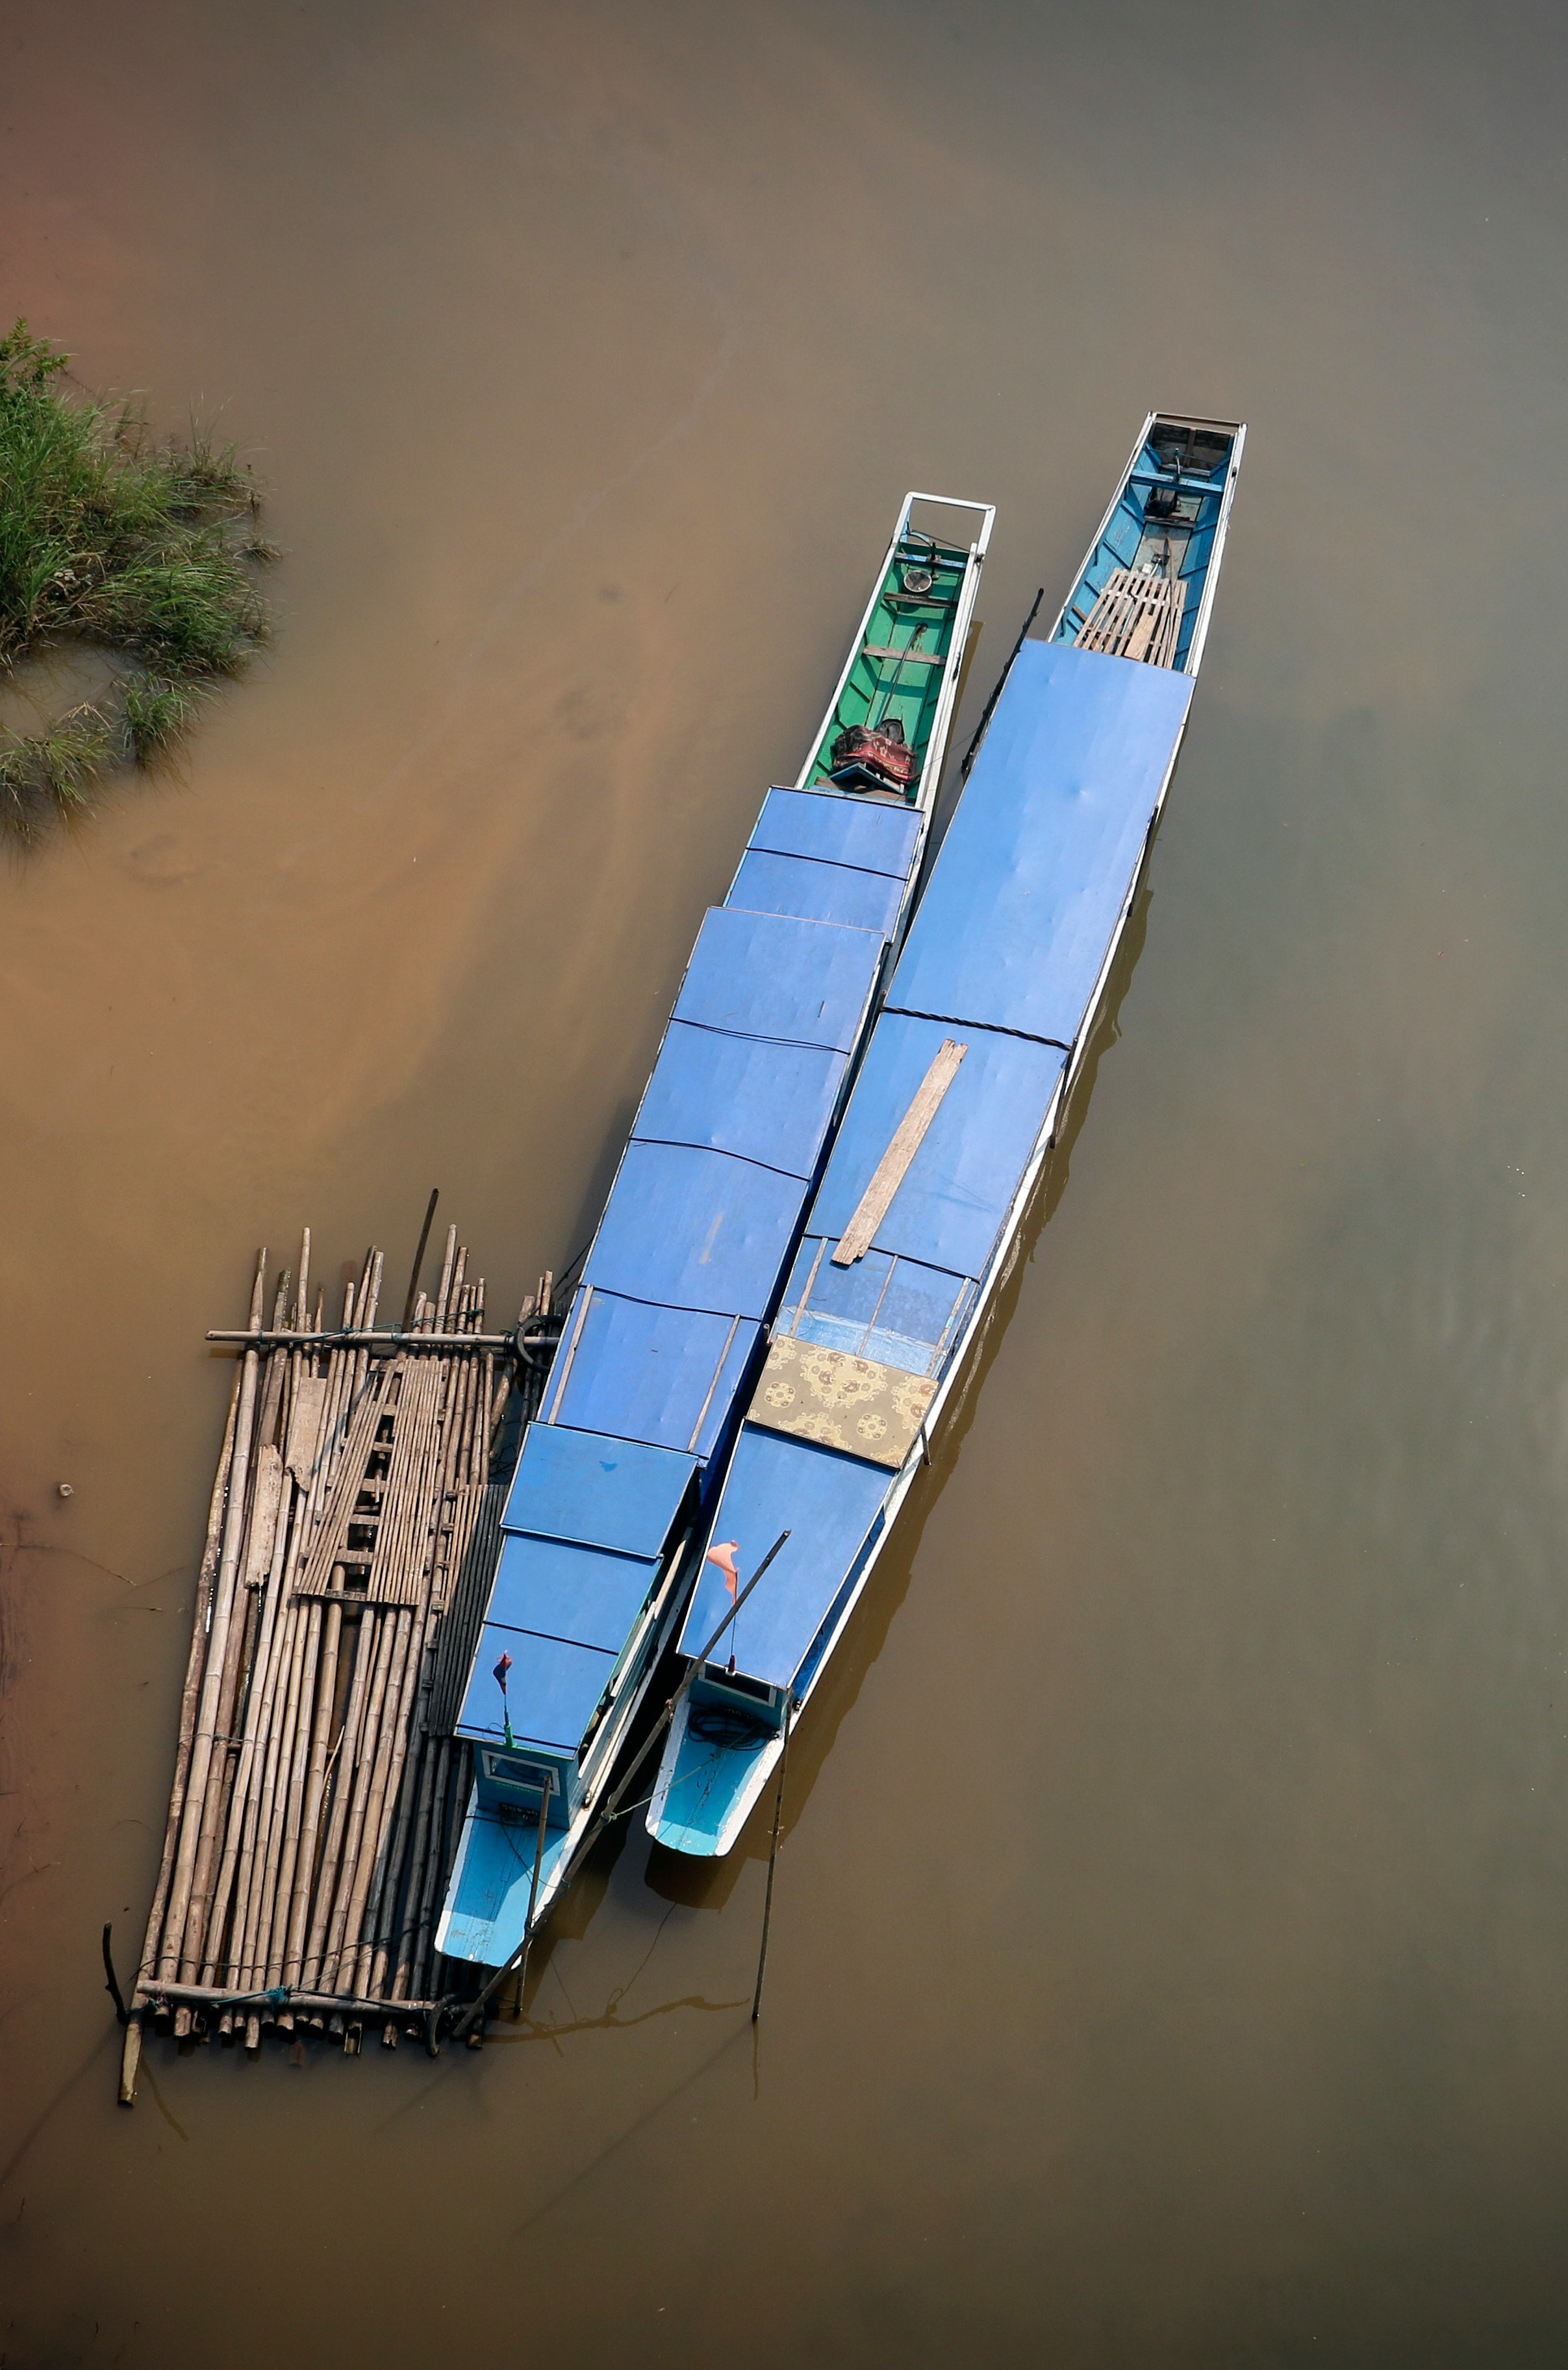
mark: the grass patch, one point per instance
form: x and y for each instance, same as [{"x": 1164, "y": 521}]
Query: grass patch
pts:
[{"x": 113, "y": 542}]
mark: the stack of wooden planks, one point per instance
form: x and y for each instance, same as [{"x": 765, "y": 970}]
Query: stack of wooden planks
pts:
[
  {"x": 1136, "y": 616},
  {"x": 353, "y": 1532}
]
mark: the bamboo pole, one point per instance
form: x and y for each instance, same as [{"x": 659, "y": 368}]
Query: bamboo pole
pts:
[
  {"x": 403, "y": 1783},
  {"x": 301, "y": 1729},
  {"x": 301, "y": 1303},
  {"x": 388, "y": 1628},
  {"x": 445, "y": 1285},
  {"x": 336, "y": 2003},
  {"x": 443, "y": 1445},
  {"x": 392, "y": 1736},
  {"x": 262, "y": 1735},
  {"x": 173, "y": 1955},
  {"x": 256, "y": 1740},
  {"x": 189, "y": 1692},
  {"x": 433, "y": 1785},
  {"x": 231, "y": 1888},
  {"x": 367, "y": 1643},
  {"x": 270, "y": 1779},
  {"x": 436, "y": 1863},
  {"x": 389, "y": 1914},
  {"x": 260, "y": 1534},
  {"x": 310, "y": 1824}
]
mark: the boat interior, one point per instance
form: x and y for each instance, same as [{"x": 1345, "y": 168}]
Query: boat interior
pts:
[
  {"x": 1141, "y": 593},
  {"x": 727, "y": 1730},
  {"x": 877, "y": 735},
  {"x": 502, "y": 1863}
]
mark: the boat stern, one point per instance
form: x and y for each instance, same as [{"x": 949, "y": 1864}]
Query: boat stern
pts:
[
  {"x": 500, "y": 1867},
  {"x": 723, "y": 1743}
]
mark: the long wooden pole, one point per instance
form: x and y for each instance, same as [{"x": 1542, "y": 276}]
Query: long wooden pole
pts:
[
  {"x": 546, "y": 1791},
  {"x": 420, "y": 1257},
  {"x": 772, "y": 1856}
]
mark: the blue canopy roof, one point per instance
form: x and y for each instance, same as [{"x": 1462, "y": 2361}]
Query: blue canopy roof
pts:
[
  {"x": 696, "y": 1230},
  {"x": 649, "y": 1373},
  {"x": 689, "y": 1253},
  {"x": 820, "y": 893},
  {"x": 827, "y": 1503},
  {"x": 1039, "y": 858},
  {"x": 769, "y": 975},
  {"x": 839, "y": 829},
  {"x": 754, "y": 1096},
  {"x": 586, "y": 1523},
  {"x": 553, "y": 1689},
  {"x": 1005, "y": 952},
  {"x": 958, "y": 1188},
  {"x": 900, "y": 1311},
  {"x": 585, "y": 1595},
  {"x": 602, "y": 1492}
]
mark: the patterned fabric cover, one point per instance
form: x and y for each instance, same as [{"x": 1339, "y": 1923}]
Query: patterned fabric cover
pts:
[{"x": 855, "y": 1404}]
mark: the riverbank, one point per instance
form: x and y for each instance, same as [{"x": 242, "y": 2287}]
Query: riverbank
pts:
[{"x": 128, "y": 573}]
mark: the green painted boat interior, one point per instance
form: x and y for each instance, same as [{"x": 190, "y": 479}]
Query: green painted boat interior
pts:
[{"x": 896, "y": 678}]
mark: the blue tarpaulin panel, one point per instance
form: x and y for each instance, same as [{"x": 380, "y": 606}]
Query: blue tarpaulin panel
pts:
[
  {"x": 898, "y": 1311},
  {"x": 769, "y": 975},
  {"x": 956, "y": 1189},
  {"x": 552, "y": 1688},
  {"x": 599, "y": 1491},
  {"x": 584, "y": 1594},
  {"x": 753, "y": 1095},
  {"x": 661, "y": 1375},
  {"x": 820, "y": 893},
  {"x": 838, "y": 829},
  {"x": 694, "y": 1230},
  {"x": 1040, "y": 855},
  {"x": 827, "y": 1503}
]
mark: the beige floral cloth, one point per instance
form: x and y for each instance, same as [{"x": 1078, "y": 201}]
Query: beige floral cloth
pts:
[{"x": 855, "y": 1404}]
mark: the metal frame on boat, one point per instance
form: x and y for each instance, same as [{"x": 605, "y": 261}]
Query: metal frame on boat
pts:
[{"x": 1127, "y": 619}]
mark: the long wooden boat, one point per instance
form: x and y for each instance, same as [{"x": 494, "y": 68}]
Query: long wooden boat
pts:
[
  {"x": 956, "y": 1100},
  {"x": 667, "y": 1329}
]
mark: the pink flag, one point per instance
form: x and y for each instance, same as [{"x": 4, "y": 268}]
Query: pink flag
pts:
[{"x": 724, "y": 1556}]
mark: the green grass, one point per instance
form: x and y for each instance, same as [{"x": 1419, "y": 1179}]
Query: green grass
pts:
[{"x": 114, "y": 543}]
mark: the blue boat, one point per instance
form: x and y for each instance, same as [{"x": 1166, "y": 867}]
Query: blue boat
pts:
[
  {"x": 665, "y": 1334},
  {"x": 956, "y": 1100}
]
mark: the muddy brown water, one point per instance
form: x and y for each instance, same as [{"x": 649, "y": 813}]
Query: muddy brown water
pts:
[{"x": 1170, "y": 1958}]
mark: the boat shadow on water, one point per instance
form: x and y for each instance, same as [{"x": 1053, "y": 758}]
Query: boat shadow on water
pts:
[{"x": 707, "y": 1883}]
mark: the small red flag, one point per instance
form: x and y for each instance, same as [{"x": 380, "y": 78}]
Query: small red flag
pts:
[
  {"x": 724, "y": 1556},
  {"x": 502, "y": 1667}
]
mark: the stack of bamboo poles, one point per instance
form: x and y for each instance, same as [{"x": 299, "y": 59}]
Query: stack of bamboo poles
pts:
[
  {"x": 353, "y": 1533},
  {"x": 1136, "y": 616}
]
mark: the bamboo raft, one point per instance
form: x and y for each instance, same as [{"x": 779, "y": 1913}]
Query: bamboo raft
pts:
[{"x": 351, "y": 1539}]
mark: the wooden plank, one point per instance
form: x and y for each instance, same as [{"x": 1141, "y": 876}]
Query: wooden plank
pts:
[
  {"x": 893, "y": 1167},
  {"x": 305, "y": 1427},
  {"x": 1134, "y": 617},
  {"x": 327, "y": 1547}
]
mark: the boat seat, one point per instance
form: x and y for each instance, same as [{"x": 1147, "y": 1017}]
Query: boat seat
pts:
[{"x": 1134, "y": 617}]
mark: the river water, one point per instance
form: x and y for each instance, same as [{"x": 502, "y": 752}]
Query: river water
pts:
[{"x": 1171, "y": 1939}]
